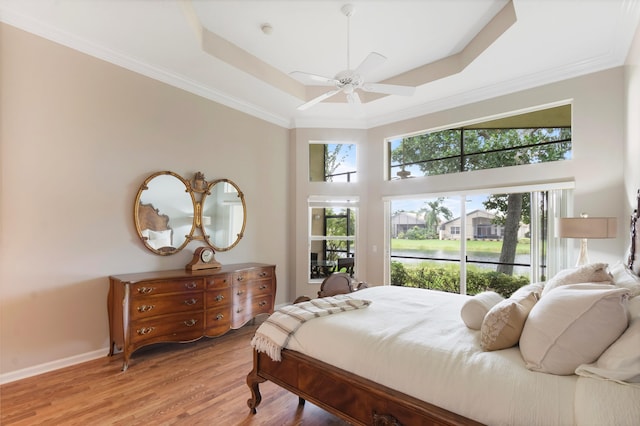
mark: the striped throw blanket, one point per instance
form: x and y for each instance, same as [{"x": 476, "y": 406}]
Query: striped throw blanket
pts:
[{"x": 275, "y": 332}]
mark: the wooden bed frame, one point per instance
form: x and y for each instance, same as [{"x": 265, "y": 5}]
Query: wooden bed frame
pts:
[
  {"x": 353, "y": 398},
  {"x": 348, "y": 396}
]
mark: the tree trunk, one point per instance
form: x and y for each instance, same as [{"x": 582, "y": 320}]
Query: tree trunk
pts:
[{"x": 510, "y": 239}]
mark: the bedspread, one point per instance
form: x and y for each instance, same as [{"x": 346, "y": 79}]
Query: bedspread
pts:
[{"x": 414, "y": 341}]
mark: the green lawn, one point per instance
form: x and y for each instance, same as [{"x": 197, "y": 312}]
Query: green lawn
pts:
[{"x": 454, "y": 246}]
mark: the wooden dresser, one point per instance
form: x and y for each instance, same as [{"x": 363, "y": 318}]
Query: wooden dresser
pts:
[{"x": 181, "y": 306}]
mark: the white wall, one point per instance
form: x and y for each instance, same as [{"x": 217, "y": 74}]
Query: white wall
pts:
[
  {"x": 78, "y": 138},
  {"x": 632, "y": 134}
]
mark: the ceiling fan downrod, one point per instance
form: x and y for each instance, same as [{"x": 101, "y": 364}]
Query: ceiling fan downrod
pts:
[{"x": 348, "y": 10}]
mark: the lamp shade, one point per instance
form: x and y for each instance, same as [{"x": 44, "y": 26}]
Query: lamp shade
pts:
[{"x": 587, "y": 227}]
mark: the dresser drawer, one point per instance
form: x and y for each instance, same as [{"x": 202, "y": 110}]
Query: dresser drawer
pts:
[
  {"x": 249, "y": 308},
  {"x": 219, "y": 281},
  {"x": 252, "y": 289},
  {"x": 218, "y": 298},
  {"x": 169, "y": 286},
  {"x": 252, "y": 274},
  {"x": 218, "y": 321},
  {"x": 145, "y": 307},
  {"x": 168, "y": 328}
]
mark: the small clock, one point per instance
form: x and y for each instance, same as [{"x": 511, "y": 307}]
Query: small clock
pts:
[
  {"x": 203, "y": 258},
  {"x": 206, "y": 255}
]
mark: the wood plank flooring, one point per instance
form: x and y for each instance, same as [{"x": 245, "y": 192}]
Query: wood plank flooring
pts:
[{"x": 200, "y": 383}]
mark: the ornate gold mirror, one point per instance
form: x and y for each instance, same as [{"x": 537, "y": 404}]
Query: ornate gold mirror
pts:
[
  {"x": 163, "y": 213},
  {"x": 223, "y": 215},
  {"x": 167, "y": 212}
]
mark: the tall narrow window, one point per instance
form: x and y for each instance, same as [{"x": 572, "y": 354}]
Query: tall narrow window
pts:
[{"x": 332, "y": 240}]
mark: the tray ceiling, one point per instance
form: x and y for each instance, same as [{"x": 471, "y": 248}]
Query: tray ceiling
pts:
[{"x": 454, "y": 52}]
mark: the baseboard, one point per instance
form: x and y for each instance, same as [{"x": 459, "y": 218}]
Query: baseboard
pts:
[{"x": 51, "y": 366}]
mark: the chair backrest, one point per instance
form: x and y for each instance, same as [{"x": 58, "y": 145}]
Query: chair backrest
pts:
[
  {"x": 336, "y": 283},
  {"x": 347, "y": 263}
]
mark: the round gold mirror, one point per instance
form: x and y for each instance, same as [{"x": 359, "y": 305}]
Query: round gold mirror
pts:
[
  {"x": 224, "y": 215},
  {"x": 164, "y": 213}
]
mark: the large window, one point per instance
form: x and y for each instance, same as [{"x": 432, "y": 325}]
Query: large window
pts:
[
  {"x": 470, "y": 243},
  {"x": 332, "y": 240},
  {"x": 536, "y": 137}
]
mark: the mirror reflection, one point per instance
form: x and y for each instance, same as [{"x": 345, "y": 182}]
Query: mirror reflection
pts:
[
  {"x": 164, "y": 211},
  {"x": 223, "y": 215},
  {"x": 169, "y": 209}
]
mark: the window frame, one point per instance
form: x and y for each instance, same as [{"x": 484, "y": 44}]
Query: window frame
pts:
[{"x": 351, "y": 204}]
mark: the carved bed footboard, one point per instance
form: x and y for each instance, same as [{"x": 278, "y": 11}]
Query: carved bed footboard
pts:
[{"x": 350, "y": 397}]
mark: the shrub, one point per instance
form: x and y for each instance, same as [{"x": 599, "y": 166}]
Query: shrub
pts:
[{"x": 447, "y": 278}]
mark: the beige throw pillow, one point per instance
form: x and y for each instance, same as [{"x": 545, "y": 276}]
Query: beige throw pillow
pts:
[
  {"x": 502, "y": 326},
  {"x": 573, "y": 325},
  {"x": 591, "y": 273}
]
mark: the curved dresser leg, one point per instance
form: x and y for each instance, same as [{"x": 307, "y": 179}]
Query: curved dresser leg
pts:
[{"x": 253, "y": 381}]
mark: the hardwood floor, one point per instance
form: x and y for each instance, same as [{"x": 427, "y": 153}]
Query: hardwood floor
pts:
[{"x": 200, "y": 383}]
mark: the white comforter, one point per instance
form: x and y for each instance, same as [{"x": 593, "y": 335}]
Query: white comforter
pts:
[{"x": 414, "y": 341}]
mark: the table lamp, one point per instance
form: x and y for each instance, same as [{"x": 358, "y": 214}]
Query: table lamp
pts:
[{"x": 585, "y": 227}]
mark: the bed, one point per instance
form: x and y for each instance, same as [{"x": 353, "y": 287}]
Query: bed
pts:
[
  {"x": 154, "y": 228},
  {"x": 408, "y": 357}
]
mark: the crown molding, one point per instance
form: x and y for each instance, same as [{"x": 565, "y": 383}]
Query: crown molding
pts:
[{"x": 71, "y": 41}]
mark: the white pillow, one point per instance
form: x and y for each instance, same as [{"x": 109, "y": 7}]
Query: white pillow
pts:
[
  {"x": 159, "y": 239},
  {"x": 528, "y": 288},
  {"x": 624, "y": 277},
  {"x": 475, "y": 308},
  {"x": 621, "y": 361},
  {"x": 573, "y": 325},
  {"x": 591, "y": 273}
]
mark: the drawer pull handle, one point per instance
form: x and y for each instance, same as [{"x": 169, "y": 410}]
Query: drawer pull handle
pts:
[
  {"x": 191, "y": 301},
  {"x": 263, "y": 303},
  {"x": 190, "y": 323},
  {"x": 146, "y": 290},
  {"x": 191, "y": 285},
  {"x": 145, "y": 330},
  {"x": 263, "y": 286},
  {"x": 240, "y": 292},
  {"x": 145, "y": 308},
  {"x": 263, "y": 274},
  {"x": 219, "y": 298},
  {"x": 240, "y": 278},
  {"x": 219, "y": 317}
]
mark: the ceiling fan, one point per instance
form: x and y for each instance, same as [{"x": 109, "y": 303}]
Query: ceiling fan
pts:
[{"x": 348, "y": 81}]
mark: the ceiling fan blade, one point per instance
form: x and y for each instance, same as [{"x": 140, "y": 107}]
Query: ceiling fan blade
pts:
[
  {"x": 318, "y": 99},
  {"x": 371, "y": 62},
  {"x": 314, "y": 77},
  {"x": 389, "y": 89}
]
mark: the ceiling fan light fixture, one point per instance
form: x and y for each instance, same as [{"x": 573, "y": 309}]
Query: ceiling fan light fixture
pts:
[{"x": 350, "y": 80}]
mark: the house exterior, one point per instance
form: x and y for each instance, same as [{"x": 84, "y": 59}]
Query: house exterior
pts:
[
  {"x": 401, "y": 222},
  {"x": 80, "y": 134},
  {"x": 482, "y": 226}
]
